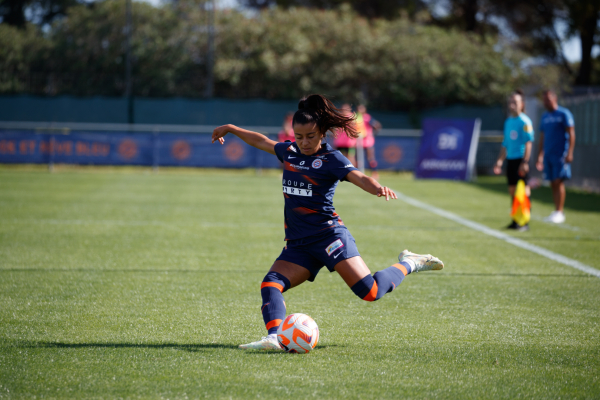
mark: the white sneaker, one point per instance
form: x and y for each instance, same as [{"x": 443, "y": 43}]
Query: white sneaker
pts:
[
  {"x": 421, "y": 262},
  {"x": 556, "y": 217},
  {"x": 266, "y": 343},
  {"x": 550, "y": 217}
]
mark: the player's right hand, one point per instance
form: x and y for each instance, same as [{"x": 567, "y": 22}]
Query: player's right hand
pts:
[
  {"x": 386, "y": 192},
  {"x": 219, "y": 132},
  {"x": 539, "y": 165}
]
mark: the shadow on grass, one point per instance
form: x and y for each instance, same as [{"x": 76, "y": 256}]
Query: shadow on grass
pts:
[
  {"x": 263, "y": 352},
  {"x": 174, "y": 346},
  {"x": 575, "y": 200}
]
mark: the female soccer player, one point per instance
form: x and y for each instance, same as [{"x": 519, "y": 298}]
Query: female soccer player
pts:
[
  {"x": 516, "y": 149},
  {"x": 315, "y": 234}
]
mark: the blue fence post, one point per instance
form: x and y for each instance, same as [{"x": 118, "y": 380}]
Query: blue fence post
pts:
[
  {"x": 155, "y": 152},
  {"x": 51, "y": 153}
]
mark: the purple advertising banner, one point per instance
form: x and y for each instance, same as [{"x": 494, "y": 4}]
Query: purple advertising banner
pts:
[{"x": 448, "y": 149}]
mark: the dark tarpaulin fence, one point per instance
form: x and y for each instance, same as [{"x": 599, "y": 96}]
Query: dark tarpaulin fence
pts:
[{"x": 184, "y": 111}]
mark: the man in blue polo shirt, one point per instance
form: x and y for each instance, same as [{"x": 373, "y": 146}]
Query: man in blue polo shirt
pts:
[{"x": 557, "y": 142}]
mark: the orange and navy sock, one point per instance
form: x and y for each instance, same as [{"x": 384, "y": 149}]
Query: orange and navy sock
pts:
[
  {"x": 273, "y": 306},
  {"x": 373, "y": 287}
]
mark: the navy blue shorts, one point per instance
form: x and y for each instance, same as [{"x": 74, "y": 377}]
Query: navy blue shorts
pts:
[
  {"x": 315, "y": 252},
  {"x": 556, "y": 168}
]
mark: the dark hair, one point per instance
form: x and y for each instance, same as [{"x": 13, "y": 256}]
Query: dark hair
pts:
[
  {"x": 520, "y": 93},
  {"x": 320, "y": 110}
]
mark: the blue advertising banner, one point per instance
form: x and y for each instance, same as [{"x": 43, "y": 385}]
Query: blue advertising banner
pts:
[
  {"x": 165, "y": 149},
  {"x": 448, "y": 148},
  {"x": 119, "y": 148},
  {"x": 396, "y": 153},
  {"x": 76, "y": 148}
]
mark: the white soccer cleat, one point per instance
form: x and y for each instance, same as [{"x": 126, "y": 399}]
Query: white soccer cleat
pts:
[
  {"x": 556, "y": 217},
  {"x": 266, "y": 343},
  {"x": 421, "y": 262}
]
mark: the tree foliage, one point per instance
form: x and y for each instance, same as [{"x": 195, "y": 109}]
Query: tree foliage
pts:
[
  {"x": 276, "y": 54},
  {"x": 389, "y": 9},
  {"x": 534, "y": 24},
  {"x": 19, "y": 12},
  {"x": 391, "y": 63},
  {"x": 89, "y": 47},
  {"x": 21, "y": 51}
]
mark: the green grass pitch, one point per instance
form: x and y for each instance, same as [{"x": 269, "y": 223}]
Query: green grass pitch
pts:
[{"x": 123, "y": 283}]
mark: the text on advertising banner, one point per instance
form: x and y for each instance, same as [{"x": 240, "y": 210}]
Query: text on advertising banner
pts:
[{"x": 448, "y": 148}]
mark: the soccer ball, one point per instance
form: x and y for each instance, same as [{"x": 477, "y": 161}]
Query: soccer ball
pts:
[{"x": 298, "y": 333}]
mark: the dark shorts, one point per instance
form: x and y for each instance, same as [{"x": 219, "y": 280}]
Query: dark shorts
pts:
[
  {"x": 556, "y": 168},
  {"x": 512, "y": 172},
  {"x": 317, "y": 251}
]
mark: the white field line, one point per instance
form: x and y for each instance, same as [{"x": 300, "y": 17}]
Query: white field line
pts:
[{"x": 502, "y": 236}]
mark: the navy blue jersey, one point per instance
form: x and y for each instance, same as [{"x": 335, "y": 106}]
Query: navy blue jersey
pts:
[{"x": 309, "y": 183}]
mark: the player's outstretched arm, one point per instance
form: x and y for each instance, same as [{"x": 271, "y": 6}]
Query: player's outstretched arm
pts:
[
  {"x": 254, "y": 139},
  {"x": 370, "y": 185}
]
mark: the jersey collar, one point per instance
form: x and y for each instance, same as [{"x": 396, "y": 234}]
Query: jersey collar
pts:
[{"x": 325, "y": 148}]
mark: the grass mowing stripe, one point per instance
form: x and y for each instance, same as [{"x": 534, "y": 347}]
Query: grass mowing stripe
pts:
[
  {"x": 142, "y": 223},
  {"x": 207, "y": 224},
  {"x": 499, "y": 235}
]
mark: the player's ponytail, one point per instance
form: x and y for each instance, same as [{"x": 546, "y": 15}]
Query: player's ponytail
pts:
[{"x": 320, "y": 110}]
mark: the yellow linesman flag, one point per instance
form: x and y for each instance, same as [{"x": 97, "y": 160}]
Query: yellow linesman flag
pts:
[{"x": 521, "y": 209}]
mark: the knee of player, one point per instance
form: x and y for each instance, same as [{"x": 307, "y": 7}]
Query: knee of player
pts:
[
  {"x": 275, "y": 280},
  {"x": 366, "y": 289}
]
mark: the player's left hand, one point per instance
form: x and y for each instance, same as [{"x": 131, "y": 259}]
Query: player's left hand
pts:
[
  {"x": 569, "y": 158},
  {"x": 387, "y": 193}
]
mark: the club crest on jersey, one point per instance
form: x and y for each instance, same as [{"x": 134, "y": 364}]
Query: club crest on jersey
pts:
[
  {"x": 334, "y": 246},
  {"x": 317, "y": 164}
]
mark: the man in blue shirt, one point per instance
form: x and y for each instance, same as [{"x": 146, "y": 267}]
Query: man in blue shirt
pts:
[{"x": 557, "y": 142}]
